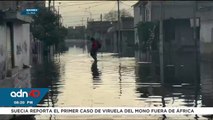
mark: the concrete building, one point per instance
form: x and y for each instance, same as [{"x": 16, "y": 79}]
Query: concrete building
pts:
[
  {"x": 178, "y": 31},
  {"x": 20, "y": 5},
  {"x": 127, "y": 36},
  {"x": 14, "y": 48},
  {"x": 76, "y": 32},
  {"x": 150, "y": 11},
  {"x": 138, "y": 17},
  {"x": 98, "y": 30},
  {"x": 204, "y": 13}
]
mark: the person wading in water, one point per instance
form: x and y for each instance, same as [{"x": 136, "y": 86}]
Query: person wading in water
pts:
[{"x": 94, "y": 49}]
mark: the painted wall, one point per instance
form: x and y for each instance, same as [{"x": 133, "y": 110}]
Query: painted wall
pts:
[
  {"x": 137, "y": 16},
  {"x": 26, "y": 43},
  {"x": 171, "y": 10},
  {"x": 22, "y": 44},
  {"x": 206, "y": 31},
  {"x": 206, "y": 37}
]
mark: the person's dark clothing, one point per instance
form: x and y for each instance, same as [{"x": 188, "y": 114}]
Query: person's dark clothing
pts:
[{"x": 94, "y": 49}]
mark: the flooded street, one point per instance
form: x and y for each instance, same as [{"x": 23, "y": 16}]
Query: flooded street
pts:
[
  {"x": 75, "y": 81},
  {"x": 151, "y": 54}
]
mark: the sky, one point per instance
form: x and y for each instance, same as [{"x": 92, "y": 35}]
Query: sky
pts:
[{"x": 75, "y": 13}]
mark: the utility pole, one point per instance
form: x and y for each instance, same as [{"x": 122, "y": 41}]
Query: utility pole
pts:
[
  {"x": 161, "y": 46},
  {"x": 49, "y": 2},
  {"x": 119, "y": 32},
  {"x": 54, "y": 4},
  {"x": 82, "y": 20},
  {"x": 101, "y": 17}
]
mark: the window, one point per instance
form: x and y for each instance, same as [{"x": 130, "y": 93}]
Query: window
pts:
[{"x": 146, "y": 14}]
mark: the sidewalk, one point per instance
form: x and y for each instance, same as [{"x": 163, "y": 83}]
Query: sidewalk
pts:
[{"x": 21, "y": 80}]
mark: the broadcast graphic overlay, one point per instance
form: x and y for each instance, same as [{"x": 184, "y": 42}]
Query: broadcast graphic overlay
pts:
[{"x": 21, "y": 97}]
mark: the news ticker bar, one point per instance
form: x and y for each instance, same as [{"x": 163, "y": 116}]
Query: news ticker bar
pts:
[{"x": 105, "y": 110}]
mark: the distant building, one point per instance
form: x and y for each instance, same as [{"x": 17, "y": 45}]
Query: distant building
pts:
[
  {"x": 127, "y": 35},
  {"x": 204, "y": 13},
  {"x": 77, "y": 32},
  {"x": 98, "y": 30},
  {"x": 138, "y": 17}
]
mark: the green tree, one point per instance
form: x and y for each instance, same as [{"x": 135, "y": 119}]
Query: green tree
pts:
[
  {"x": 113, "y": 15},
  {"x": 47, "y": 27}
]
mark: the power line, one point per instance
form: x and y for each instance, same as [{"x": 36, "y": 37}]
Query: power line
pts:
[
  {"x": 89, "y": 11},
  {"x": 125, "y": 4},
  {"x": 79, "y": 15},
  {"x": 79, "y": 4},
  {"x": 96, "y": 5},
  {"x": 86, "y": 8},
  {"x": 78, "y": 21},
  {"x": 113, "y": 6}
]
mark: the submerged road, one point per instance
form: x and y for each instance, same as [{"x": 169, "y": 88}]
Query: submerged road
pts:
[{"x": 75, "y": 81}]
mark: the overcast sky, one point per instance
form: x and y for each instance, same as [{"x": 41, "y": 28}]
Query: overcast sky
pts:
[{"x": 75, "y": 13}]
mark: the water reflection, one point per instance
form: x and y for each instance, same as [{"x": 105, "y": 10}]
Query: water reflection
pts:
[
  {"x": 207, "y": 85},
  {"x": 95, "y": 71},
  {"x": 47, "y": 75},
  {"x": 96, "y": 74},
  {"x": 77, "y": 81},
  {"x": 181, "y": 85},
  {"x": 181, "y": 94}
]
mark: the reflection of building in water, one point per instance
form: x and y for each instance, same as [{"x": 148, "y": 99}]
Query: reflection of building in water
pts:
[
  {"x": 207, "y": 83},
  {"x": 46, "y": 75},
  {"x": 179, "y": 52},
  {"x": 171, "y": 94}
]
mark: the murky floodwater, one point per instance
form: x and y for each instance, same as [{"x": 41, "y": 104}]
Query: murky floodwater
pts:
[{"x": 75, "y": 81}]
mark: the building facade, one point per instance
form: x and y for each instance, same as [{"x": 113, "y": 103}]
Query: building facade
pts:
[
  {"x": 202, "y": 10},
  {"x": 15, "y": 47},
  {"x": 178, "y": 35}
]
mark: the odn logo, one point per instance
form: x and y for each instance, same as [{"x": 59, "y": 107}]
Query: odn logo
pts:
[{"x": 22, "y": 94}]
